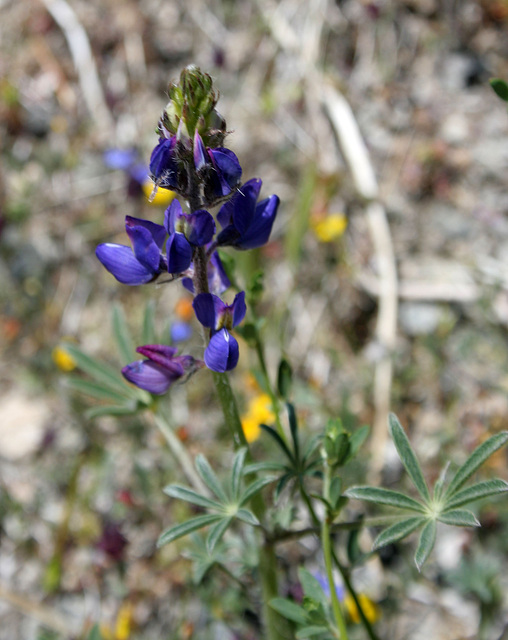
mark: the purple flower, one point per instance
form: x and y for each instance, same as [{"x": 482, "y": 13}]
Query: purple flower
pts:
[
  {"x": 185, "y": 232},
  {"x": 163, "y": 164},
  {"x": 161, "y": 370},
  {"x": 218, "y": 282},
  {"x": 246, "y": 223},
  {"x": 141, "y": 264},
  {"x": 218, "y": 167},
  {"x": 222, "y": 351}
]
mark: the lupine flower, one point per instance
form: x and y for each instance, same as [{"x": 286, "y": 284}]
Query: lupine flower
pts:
[
  {"x": 218, "y": 282},
  {"x": 222, "y": 351},
  {"x": 246, "y": 223},
  {"x": 185, "y": 232},
  {"x": 218, "y": 167},
  {"x": 163, "y": 163},
  {"x": 145, "y": 262},
  {"x": 161, "y": 370}
]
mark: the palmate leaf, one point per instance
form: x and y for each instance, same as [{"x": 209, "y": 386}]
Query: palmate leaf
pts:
[
  {"x": 209, "y": 478},
  {"x": 236, "y": 474},
  {"x": 271, "y": 431},
  {"x": 385, "y": 496},
  {"x": 148, "y": 331},
  {"x": 459, "y": 518},
  {"x": 407, "y": 457},
  {"x": 99, "y": 371},
  {"x": 311, "y": 631},
  {"x": 98, "y": 390},
  {"x": 475, "y": 460},
  {"x": 426, "y": 543},
  {"x": 189, "y": 495},
  {"x": 183, "y": 529},
  {"x": 216, "y": 532},
  {"x": 398, "y": 531},
  {"x": 111, "y": 410},
  {"x": 476, "y": 492},
  {"x": 290, "y": 610},
  {"x": 247, "y": 516},
  {"x": 253, "y": 488}
]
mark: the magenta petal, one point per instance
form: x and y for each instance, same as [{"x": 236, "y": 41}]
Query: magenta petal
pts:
[
  {"x": 149, "y": 376},
  {"x": 163, "y": 355},
  {"x": 222, "y": 352},
  {"x": 121, "y": 262}
]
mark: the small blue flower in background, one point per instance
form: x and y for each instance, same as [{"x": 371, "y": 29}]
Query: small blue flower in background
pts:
[
  {"x": 222, "y": 352},
  {"x": 246, "y": 223},
  {"x": 323, "y": 581},
  {"x": 180, "y": 331},
  {"x": 161, "y": 370},
  {"x": 185, "y": 232},
  {"x": 141, "y": 264}
]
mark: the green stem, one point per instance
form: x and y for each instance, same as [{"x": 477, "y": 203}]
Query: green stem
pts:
[
  {"x": 229, "y": 408},
  {"x": 342, "y": 569},
  {"x": 327, "y": 554}
]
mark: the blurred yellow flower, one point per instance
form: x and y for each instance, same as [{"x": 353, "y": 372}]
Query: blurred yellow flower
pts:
[
  {"x": 123, "y": 625},
  {"x": 329, "y": 228},
  {"x": 63, "y": 360},
  {"x": 161, "y": 198},
  {"x": 259, "y": 411},
  {"x": 369, "y": 608}
]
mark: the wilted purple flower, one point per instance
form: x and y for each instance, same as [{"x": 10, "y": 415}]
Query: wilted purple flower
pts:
[
  {"x": 141, "y": 264},
  {"x": 218, "y": 167},
  {"x": 218, "y": 282},
  {"x": 163, "y": 163},
  {"x": 185, "y": 232},
  {"x": 222, "y": 351},
  {"x": 161, "y": 370},
  {"x": 246, "y": 223}
]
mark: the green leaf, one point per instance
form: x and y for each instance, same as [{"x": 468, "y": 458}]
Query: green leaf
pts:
[
  {"x": 283, "y": 480},
  {"x": 111, "y": 410},
  {"x": 253, "y": 488},
  {"x": 289, "y": 610},
  {"x": 385, "y": 496},
  {"x": 357, "y": 439},
  {"x": 180, "y": 530},
  {"x": 122, "y": 335},
  {"x": 97, "y": 370},
  {"x": 284, "y": 379},
  {"x": 256, "y": 467},
  {"x": 279, "y": 441},
  {"x": 397, "y": 531},
  {"x": 236, "y": 474},
  {"x": 312, "y": 630},
  {"x": 408, "y": 457},
  {"x": 209, "y": 478},
  {"x": 426, "y": 543},
  {"x": 311, "y": 586},
  {"x": 98, "y": 391},
  {"x": 500, "y": 87},
  {"x": 335, "y": 491},
  {"x": 247, "y": 516},
  {"x": 216, "y": 532},
  {"x": 439, "y": 486},
  {"x": 477, "y": 491},
  {"x": 475, "y": 460},
  {"x": 189, "y": 495},
  {"x": 293, "y": 427},
  {"x": 95, "y": 633},
  {"x": 459, "y": 518},
  {"x": 148, "y": 332}
]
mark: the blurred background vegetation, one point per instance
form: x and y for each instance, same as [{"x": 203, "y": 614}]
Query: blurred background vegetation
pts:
[{"x": 81, "y": 504}]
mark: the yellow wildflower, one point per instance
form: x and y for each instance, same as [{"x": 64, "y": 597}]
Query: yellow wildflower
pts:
[
  {"x": 369, "y": 608},
  {"x": 330, "y": 228},
  {"x": 161, "y": 198},
  {"x": 259, "y": 412},
  {"x": 123, "y": 625},
  {"x": 63, "y": 360}
]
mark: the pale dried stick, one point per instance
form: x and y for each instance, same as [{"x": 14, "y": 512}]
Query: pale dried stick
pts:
[
  {"x": 81, "y": 53},
  {"x": 357, "y": 157}
]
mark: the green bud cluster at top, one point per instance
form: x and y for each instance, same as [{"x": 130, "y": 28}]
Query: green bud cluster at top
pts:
[{"x": 191, "y": 106}]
